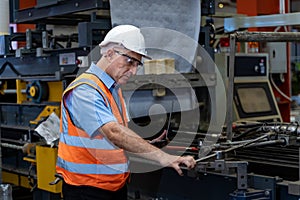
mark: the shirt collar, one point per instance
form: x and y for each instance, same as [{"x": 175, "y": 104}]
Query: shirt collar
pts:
[{"x": 102, "y": 75}]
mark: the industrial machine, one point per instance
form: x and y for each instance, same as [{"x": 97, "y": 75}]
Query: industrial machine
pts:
[
  {"x": 253, "y": 96},
  {"x": 260, "y": 162},
  {"x": 33, "y": 77}
]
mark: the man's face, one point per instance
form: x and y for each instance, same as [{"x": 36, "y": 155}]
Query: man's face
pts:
[{"x": 124, "y": 65}]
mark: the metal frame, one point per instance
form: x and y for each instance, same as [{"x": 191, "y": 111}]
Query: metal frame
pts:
[
  {"x": 86, "y": 35},
  {"x": 54, "y": 14},
  {"x": 185, "y": 80},
  {"x": 225, "y": 166},
  {"x": 44, "y": 67}
]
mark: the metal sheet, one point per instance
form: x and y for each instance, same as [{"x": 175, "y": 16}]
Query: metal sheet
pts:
[{"x": 177, "y": 15}]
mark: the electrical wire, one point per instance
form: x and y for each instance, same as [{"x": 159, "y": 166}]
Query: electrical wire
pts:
[{"x": 278, "y": 90}]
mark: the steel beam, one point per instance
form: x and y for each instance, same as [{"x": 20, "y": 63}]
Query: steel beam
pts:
[{"x": 36, "y": 14}]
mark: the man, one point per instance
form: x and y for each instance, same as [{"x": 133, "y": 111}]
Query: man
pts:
[{"x": 94, "y": 133}]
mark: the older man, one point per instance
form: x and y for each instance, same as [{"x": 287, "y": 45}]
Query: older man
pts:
[{"x": 94, "y": 133}]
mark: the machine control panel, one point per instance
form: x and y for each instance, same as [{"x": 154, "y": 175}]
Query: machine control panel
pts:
[{"x": 250, "y": 65}]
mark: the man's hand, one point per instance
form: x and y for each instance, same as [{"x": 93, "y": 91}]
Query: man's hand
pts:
[
  {"x": 128, "y": 140},
  {"x": 187, "y": 161}
]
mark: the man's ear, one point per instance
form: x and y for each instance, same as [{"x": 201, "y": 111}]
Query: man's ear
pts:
[{"x": 109, "y": 54}]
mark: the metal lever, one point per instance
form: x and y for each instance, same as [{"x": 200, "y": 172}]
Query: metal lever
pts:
[{"x": 57, "y": 179}]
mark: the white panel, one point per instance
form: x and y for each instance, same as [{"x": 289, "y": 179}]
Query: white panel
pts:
[
  {"x": 4, "y": 17},
  {"x": 277, "y": 57}
]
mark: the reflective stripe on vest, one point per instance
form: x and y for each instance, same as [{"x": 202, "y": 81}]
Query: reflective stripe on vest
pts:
[{"x": 83, "y": 160}]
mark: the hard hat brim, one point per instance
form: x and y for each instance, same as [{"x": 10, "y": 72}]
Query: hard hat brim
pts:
[{"x": 104, "y": 43}]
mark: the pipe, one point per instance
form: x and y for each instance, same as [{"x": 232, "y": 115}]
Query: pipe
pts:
[{"x": 282, "y": 6}]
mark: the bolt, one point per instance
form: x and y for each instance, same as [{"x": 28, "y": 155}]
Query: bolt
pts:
[
  {"x": 267, "y": 193},
  {"x": 30, "y": 14},
  {"x": 76, "y": 4}
]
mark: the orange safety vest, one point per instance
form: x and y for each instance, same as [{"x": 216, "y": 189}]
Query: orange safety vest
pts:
[{"x": 83, "y": 160}]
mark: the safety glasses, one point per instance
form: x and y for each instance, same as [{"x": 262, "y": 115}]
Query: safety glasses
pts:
[{"x": 130, "y": 60}]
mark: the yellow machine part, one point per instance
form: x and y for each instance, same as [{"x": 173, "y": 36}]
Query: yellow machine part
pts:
[
  {"x": 33, "y": 91},
  {"x": 15, "y": 179},
  {"x": 45, "y": 113},
  {"x": 20, "y": 85},
  {"x": 55, "y": 91},
  {"x": 45, "y": 162}
]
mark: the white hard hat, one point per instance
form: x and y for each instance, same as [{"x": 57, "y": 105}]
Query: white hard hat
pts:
[{"x": 127, "y": 35}]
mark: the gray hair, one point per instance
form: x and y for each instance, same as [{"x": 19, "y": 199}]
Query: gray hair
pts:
[{"x": 110, "y": 45}]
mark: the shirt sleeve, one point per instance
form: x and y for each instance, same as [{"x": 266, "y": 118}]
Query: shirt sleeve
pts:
[{"x": 88, "y": 109}]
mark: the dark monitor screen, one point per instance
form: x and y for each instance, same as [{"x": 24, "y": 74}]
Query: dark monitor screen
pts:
[{"x": 254, "y": 100}]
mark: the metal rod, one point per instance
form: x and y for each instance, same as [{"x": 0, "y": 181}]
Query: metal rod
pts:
[
  {"x": 235, "y": 147},
  {"x": 13, "y": 91},
  {"x": 273, "y": 142},
  {"x": 230, "y": 87},
  {"x": 247, "y": 143},
  {"x": 206, "y": 157},
  {"x": 267, "y": 36},
  {"x": 12, "y": 146},
  {"x": 236, "y": 142}
]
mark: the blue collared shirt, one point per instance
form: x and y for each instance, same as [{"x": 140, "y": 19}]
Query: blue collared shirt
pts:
[{"x": 87, "y": 107}]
